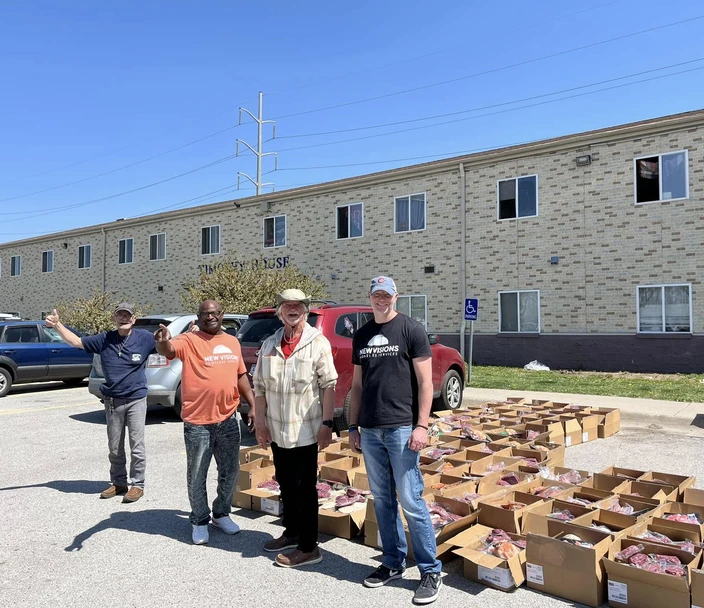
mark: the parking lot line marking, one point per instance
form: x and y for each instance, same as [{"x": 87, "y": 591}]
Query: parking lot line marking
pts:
[{"x": 41, "y": 409}]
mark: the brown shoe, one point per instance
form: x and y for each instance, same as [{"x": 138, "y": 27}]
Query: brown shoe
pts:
[
  {"x": 280, "y": 544},
  {"x": 133, "y": 495},
  {"x": 113, "y": 491},
  {"x": 298, "y": 558}
]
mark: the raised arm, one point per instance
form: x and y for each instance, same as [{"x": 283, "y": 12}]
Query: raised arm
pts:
[
  {"x": 66, "y": 334},
  {"x": 162, "y": 337}
]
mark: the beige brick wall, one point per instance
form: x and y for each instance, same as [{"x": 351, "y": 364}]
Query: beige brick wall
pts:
[{"x": 606, "y": 244}]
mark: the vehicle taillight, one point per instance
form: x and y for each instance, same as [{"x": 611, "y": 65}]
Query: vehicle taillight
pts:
[{"x": 157, "y": 361}]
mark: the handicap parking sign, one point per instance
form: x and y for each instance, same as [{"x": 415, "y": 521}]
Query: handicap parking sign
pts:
[{"x": 471, "y": 306}]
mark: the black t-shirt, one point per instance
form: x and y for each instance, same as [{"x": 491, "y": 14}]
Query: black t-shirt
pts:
[{"x": 389, "y": 385}]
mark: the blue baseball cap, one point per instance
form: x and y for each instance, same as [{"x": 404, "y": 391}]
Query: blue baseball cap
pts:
[{"x": 383, "y": 283}]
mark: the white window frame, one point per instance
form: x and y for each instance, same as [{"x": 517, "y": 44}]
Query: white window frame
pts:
[
  {"x": 349, "y": 221},
  {"x": 515, "y": 179},
  {"x": 663, "y": 286},
  {"x": 210, "y": 239},
  {"x": 425, "y": 213},
  {"x": 128, "y": 238},
  {"x": 273, "y": 218},
  {"x": 89, "y": 248},
  {"x": 48, "y": 251},
  {"x": 18, "y": 265},
  {"x": 157, "y": 235},
  {"x": 518, "y": 302},
  {"x": 660, "y": 155},
  {"x": 425, "y": 305}
]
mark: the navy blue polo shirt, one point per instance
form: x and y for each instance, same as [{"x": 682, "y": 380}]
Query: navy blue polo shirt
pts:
[{"x": 124, "y": 361}]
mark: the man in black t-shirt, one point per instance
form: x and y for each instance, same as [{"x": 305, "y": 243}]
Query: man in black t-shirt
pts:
[{"x": 391, "y": 397}]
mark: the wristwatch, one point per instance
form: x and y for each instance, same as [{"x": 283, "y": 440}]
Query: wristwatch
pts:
[{"x": 328, "y": 423}]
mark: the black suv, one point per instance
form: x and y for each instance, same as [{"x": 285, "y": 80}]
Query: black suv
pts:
[{"x": 31, "y": 352}]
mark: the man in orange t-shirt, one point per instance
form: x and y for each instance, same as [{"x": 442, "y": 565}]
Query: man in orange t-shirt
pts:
[{"x": 213, "y": 377}]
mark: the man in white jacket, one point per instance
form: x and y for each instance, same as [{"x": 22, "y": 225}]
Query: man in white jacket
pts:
[{"x": 294, "y": 388}]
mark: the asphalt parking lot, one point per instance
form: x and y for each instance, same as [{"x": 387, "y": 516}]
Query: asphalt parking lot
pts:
[{"x": 62, "y": 546}]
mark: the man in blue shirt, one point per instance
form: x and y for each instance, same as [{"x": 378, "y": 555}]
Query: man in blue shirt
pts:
[{"x": 123, "y": 356}]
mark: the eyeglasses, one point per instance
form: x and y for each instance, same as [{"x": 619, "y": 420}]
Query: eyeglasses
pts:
[{"x": 209, "y": 313}]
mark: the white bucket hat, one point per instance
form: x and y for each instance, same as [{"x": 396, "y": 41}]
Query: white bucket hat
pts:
[{"x": 292, "y": 295}]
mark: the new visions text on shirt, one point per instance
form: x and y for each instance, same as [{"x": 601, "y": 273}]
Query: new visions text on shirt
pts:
[{"x": 379, "y": 351}]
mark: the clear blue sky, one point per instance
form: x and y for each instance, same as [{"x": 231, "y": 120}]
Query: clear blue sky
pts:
[{"x": 89, "y": 87}]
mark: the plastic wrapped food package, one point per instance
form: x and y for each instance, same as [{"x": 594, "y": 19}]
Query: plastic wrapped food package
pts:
[
  {"x": 573, "y": 539},
  {"x": 323, "y": 489},
  {"x": 685, "y": 518},
  {"x": 270, "y": 485},
  {"x": 476, "y": 434},
  {"x": 513, "y": 506},
  {"x": 602, "y": 528},
  {"x": 624, "y": 555},
  {"x": 584, "y": 502},
  {"x": 440, "y": 516},
  {"x": 438, "y": 453},
  {"x": 564, "y": 515}
]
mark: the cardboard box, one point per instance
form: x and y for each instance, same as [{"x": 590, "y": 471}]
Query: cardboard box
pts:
[
  {"x": 255, "y": 472},
  {"x": 265, "y": 502},
  {"x": 642, "y": 510},
  {"x": 589, "y": 494},
  {"x": 681, "y": 482},
  {"x": 643, "y": 489},
  {"x": 341, "y": 524},
  {"x": 492, "y": 571},
  {"x": 609, "y": 483},
  {"x": 697, "y": 588},
  {"x": 371, "y": 534},
  {"x": 629, "y": 586},
  {"x": 693, "y": 496},
  {"x": 565, "y": 570},
  {"x": 609, "y": 421},
  {"x": 484, "y": 466},
  {"x": 494, "y": 515},
  {"x": 572, "y": 428},
  {"x": 241, "y": 500},
  {"x": 342, "y": 470},
  {"x": 253, "y": 453},
  {"x": 681, "y": 508},
  {"x": 618, "y": 523},
  {"x": 668, "y": 528},
  {"x": 554, "y": 428},
  {"x": 590, "y": 426},
  {"x": 629, "y": 474}
]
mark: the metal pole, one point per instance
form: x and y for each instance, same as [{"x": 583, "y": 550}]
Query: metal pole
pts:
[
  {"x": 471, "y": 345},
  {"x": 259, "y": 145},
  {"x": 463, "y": 257}
]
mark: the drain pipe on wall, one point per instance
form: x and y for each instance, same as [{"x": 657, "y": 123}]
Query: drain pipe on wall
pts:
[
  {"x": 463, "y": 254},
  {"x": 105, "y": 242}
]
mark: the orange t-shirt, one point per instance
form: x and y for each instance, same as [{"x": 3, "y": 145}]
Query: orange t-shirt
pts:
[{"x": 211, "y": 366}]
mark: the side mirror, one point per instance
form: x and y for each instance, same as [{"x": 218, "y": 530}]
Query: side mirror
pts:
[{"x": 434, "y": 339}]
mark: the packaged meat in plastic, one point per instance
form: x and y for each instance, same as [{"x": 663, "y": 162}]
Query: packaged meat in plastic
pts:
[
  {"x": 686, "y": 545},
  {"x": 602, "y": 528},
  {"x": 498, "y": 535},
  {"x": 521, "y": 544},
  {"x": 688, "y": 518},
  {"x": 513, "y": 506},
  {"x": 676, "y": 570},
  {"x": 654, "y": 567},
  {"x": 573, "y": 539},
  {"x": 505, "y": 550},
  {"x": 572, "y": 477},
  {"x": 468, "y": 497},
  {"x": 532, "y": 434},
  {"x": 476, "y": 434},
  {"x": 580, "y": 501},
  {"x": 638, "y": 560},
  {"x": 547, "y": 491},
  {"x": 561, "y": 515},
  {"x": 497, "y": 466},
  {"x": 665, "y": 560},
  {"x": 530, "y": 462},
  {"x": 438, "y": 453},
  {"x": 624, "y": 555},
  {"x": 655, "y": 537},
  {"x": 511, "y": 479},
  {"x": 323, "y": 489}
]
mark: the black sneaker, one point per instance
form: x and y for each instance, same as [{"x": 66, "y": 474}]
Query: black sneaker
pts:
[
  {"x": 382, "y": 575},
  {"x": 428, "y": 589}
]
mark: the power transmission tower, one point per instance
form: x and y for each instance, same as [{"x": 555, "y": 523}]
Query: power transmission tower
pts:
[{"x": 259, "y": 153}]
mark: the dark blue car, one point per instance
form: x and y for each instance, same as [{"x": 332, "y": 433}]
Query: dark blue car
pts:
[{"x": 31, "y": 352}]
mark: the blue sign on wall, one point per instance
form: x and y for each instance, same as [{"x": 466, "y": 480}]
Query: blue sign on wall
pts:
[{"x": 471, "y": 306}]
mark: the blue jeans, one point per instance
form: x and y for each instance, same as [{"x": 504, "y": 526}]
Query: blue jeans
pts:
[
  {"x": 391, "y": 466},
  {"x": 221, "y": 440}
]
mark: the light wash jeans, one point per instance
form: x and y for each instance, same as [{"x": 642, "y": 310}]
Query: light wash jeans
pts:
[
  {"x": 203, "y": 441},
  {"x": 391, "y": 466},
  {"x": 130, "y": 416}
]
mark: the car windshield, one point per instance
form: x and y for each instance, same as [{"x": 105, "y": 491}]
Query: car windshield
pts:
[
  {"x": 255, "y": 330},
  {"x": 151, "y": 324}
]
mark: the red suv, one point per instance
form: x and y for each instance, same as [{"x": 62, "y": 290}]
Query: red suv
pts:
[{"x": 338, "y": 322}]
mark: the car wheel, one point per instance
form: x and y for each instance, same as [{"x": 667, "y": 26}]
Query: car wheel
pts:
[
  {"x": 451, "y": 391},
  {"x": 342, "y": 422},
  {"x": 5, "y": 381},
  {"x": 73, "y": 382},
  {"x": 177, "y": 402}
]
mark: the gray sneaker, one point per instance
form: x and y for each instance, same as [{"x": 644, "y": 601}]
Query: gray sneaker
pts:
[
  {"x": 383, "y": 575},
  {"x": 429, "y": 588}
]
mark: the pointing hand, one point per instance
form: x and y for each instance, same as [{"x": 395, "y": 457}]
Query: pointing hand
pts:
[{"x": 162, "y": 334}]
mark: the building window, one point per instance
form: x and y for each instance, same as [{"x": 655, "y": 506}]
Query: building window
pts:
[
  {"x": 409, "y": 213},
  {"x": 84, "y": 256},
  {"x": 210, "y": 240},
  {"x": 662, "y": 177},
  {"x": 125, "y": 251},
  {"x": 350, "y": 221},
  {"x": 275, "y": 231},
  {"x": 664, "y": 308},
  {"x": 519, "y": 311},
  {"x": 518, "y": 197},
  {"x": 48, "y": 261},
  {"x": 157, "y": 246},
  {"x": 15, "y": 265},
  {"x": 414, "y": 307}
]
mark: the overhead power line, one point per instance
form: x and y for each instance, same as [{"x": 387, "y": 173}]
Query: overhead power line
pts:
[{"x": 491, "y": 71}]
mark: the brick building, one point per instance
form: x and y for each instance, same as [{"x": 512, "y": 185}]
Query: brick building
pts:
[{"x": 585, "y": 251}]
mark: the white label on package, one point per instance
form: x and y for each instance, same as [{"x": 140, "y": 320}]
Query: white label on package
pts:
[
  {"x": 501, "y": 577},
  {"x": 534, "y": 574},
  {"x": 618, "y": 592},
  {"x": 271, "y": 506},
  {"x": 585, "y": 437},
  {"x": 378, "y": 538},
  {"x": 568, "y": 441}
]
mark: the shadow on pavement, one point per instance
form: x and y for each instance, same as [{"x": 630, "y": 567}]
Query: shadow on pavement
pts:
[
  {"x": 155, "y": 415},
  {"x": 43, "y": 387},
  {"x": 68, "y": 486},
  {"x": 698, "y": 421}
]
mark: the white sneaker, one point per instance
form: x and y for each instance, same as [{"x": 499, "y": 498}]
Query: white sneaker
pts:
[
  {"x": 225, "y": 524},
  {"x": 200, "y": 535}
]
